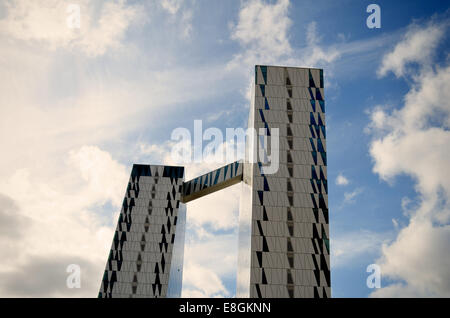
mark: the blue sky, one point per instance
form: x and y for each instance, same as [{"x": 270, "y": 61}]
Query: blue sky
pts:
[{"x": 80, "y": 106}]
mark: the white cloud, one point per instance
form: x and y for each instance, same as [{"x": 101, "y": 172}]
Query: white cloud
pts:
[
  {"x": 419, "y": 260},
  {"x": 172, "y": 6},
  {"x": 204, "y": 274},
  {"x": 201, "y": 282},
  {"x": 96, "y": 166},
  {"x": 314, "y": 54},
  {"x": 45, "y": 276},
  {"x": 225, "y": 203},
  {"x": 262, "y": 31},
  {"x": 58, "y": 106},
  {"x": 341, "y": 180},
  {"x": 62, "y": 224},
  {"x": 263, "y": 28},
  {"x": 218, "y": 209},
  {"x": 186, "y": 23},
  {"x": 395, "y": 223},
  {"x": 414, "y": 140},
  {"x": 45, "y": 22},
  {"x": 417, "y": 46},
  {"x": 410, "y": 144},
  {"x": 349, "y": 197},
  {"x": 349, "y": 247},
  {"x": 223, "y": 245},
  {"x": 180, "y": 16}
]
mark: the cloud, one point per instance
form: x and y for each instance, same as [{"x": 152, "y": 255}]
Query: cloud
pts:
[
  {"x": 417, "y": 262},
  {"x": 63, "y": 225},
  {"x": 46, "y": 276},
  {"x": 395, "y": 223},
  {"x": 263, "y": 28},
  {"x": 46, "y": 22},
  {"x": 186, "y": 23},
  {"x": 414, "y": 140},
  {"x": 179, "y": 15},
  {"x": 201, "y": 282},
  {"x": 12, "y": 223},
  {"x": 71, "y": 124},
  {"x": 96, "y": 166},
  {"x": 419, "y": 127},
  {"x": 54, "y": 106},
  {"x": 341, "y": 180},
  {"x": 64, "y": 118},
  {"x": 417, "y": 46},
  {"x": 349, "y": 197},
  {"x": 262, "y": 31},
  {"x": 217, "y": 210},
  {"x": 314, "y": 55},
  {"x": 204, "y": 275},
  {"x": 396, "y": 290},
  {"x": 350, "y": 247},
  {"x": 172, "y": 6}
]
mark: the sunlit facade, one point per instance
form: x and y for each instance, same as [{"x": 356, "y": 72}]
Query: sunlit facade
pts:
[
  {"x": 284, "y": 248},
  {"x": 284, "y": 242}
]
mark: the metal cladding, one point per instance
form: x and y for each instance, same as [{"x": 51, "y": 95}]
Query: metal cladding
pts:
[
  {"x": 149, "y": 231},
  {"x": 284, "y": 232},
  {"x": 284, "y": 239},
  {"x": 212, "y": 181}
]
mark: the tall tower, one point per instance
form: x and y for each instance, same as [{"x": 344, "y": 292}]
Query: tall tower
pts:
[
  {"x": 284, "y": 248},
  {"x": 284, "y": 232},
  {"x": 146, "y": 256}
]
